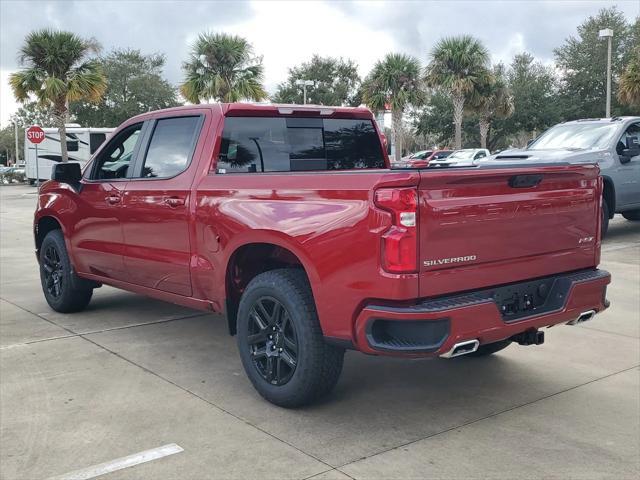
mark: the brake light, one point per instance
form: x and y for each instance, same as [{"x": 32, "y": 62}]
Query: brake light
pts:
[{"x": 400, "y": 241}]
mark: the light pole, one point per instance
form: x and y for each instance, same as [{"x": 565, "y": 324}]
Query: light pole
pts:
[
  {"x": 15, "y": 132},
  {"x": 608, "y": 34},
  {"x": 304, "y": 84}
]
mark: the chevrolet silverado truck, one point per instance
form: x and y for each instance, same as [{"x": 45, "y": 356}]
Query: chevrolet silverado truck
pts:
[
  {"x": 289, "y": 221},
  {"x": 612, "y": 143}
]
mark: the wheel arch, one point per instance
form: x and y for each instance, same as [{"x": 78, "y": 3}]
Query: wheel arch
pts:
[
  {"x": 43, "y": 225},
  {"x": 253, "y": 258}
]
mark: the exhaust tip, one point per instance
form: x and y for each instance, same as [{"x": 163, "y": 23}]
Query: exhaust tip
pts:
[
  {"x": 462, "y": 348},
  {"x": 583, "y": 317}
]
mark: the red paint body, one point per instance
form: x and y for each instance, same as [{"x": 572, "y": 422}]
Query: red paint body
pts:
[{"x": 173, "y": 238}]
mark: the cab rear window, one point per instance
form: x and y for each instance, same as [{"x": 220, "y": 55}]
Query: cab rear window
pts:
[{"x": 278, "y": 144}]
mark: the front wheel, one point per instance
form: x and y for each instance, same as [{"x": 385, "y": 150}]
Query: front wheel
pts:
[
  {"x": 64, "y": 291},
  {"x": 280, "y": 340},
  {"x": 632, "y": 215},
  {"x": 605, "y": 218}
]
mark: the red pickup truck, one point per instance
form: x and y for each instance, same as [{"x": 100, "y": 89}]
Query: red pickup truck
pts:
[{"x": 288, "y": 220}]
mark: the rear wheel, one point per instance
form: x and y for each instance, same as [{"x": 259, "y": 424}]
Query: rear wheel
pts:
[
  {"x": 64, "y": 291},
  {"x": 489, "y": 348},
  {"x": 633, "y": 215},
  {"x": 280, "y": 340}
]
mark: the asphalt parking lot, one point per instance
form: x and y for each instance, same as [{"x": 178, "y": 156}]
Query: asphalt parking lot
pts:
[{"x": 131, "y": 374}]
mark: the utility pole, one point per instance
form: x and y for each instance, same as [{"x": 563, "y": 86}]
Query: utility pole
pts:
[
  {"x": 608, "y": 34},
  {"x": 15, "y": 131},
  {"x": 304, "y": 84}
]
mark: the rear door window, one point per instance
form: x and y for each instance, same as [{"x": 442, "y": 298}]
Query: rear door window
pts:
[{"x": 278, "y": 144}]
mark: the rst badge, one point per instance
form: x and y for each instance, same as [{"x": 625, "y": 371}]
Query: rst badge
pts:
[{"x": 446, "y": 261}]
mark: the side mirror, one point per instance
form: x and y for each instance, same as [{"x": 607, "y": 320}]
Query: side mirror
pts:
[
  {"x": 628, "y": 154},
  {"x": 68, "y": 173},
  {"x": 530, "y": 142},
  {"x": 632, "y": 150}
]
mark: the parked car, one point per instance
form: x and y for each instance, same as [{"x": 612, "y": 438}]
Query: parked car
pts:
[
  {"x": 421, "y": 155},
  {"x": 612, "y": 143},
  {"x": 422, "y": 158},
  {"x": 12, "y": 174},
  {"x": 461, "y": 158},
  {"x": 289, "y": 221}
]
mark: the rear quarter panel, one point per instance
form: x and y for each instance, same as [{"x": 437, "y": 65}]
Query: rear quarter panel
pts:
[{"x": 326, "y": 219}]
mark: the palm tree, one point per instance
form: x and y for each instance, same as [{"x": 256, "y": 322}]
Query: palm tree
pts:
[
  {"x": 629, "y": 86},
  {"x": 223, "y": 68},
  {"x": 394, "y": 82},
  {"x": 457, "y": 65},
  {"x": 491, "y": 99},
  {"x": 58, "y": 70}
]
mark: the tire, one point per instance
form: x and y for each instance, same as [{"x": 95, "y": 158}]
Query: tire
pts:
[
  {"x": 632, "y": 215},
  {"x": 292, "y": 365},
  {"x": 64, "y": 291},
  {"x": 489, "y": 348},
  {"x": 605, "y": 218}
]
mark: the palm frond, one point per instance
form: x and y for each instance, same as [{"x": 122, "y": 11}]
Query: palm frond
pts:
[
  {"x": 224, "y": 68},
  {"x": 394, "y": 81}
]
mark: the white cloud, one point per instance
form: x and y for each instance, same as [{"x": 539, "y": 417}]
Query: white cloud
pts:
[{"x": 288, "y": 33}]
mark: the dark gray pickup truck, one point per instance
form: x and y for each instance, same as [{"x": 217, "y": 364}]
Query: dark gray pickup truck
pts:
[{"x": 612, "y": 143}]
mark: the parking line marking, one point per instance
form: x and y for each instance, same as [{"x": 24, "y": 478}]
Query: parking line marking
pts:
[{"x": 120, "y": 463}]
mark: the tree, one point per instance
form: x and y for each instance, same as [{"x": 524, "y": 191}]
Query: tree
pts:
[
  {"x": 32, "y": 113},
  {"x": 434, "y": 123},
  {"x": 491, "y": 99},
  {"x": 394, "y": 82},
  {"x": 629, "y": 89},
  {"x": 8, "y": 145},
  {"x": 135, "y": 85},
  {"x": 336, "y": 82},
  {"x": 223, "y": 68},
  {"x": 58, "y": 70},
  {"x": 583, "y": 63},
  {"x": 534, "y": 88},
  {"x": 458, "y": 65}
]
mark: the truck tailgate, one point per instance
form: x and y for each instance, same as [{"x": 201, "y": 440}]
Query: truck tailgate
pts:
[{"x": 481, "y": 227}]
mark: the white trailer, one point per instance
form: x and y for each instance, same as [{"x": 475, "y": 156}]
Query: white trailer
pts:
[{"x": 82, "y": 142}]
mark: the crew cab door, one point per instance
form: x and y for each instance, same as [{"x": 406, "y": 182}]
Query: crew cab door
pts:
[
  {"x": 97, "y": 241},
  {"x": 157, "y": 203}
]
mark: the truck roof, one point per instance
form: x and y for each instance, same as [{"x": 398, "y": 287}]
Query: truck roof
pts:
[
  {"x": 241, "y": 109},
  {"x": 80, "y": 129}
]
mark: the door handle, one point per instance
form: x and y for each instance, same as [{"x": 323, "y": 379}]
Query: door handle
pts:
[
  {"x": 112, "y": 199},
  {"x": 174, "y": 202}
]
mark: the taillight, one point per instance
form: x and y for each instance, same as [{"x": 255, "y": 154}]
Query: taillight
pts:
[{"x": 400, "y": 241}]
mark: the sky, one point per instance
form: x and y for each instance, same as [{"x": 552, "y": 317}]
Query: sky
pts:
[{"x": 288, "y": 33}]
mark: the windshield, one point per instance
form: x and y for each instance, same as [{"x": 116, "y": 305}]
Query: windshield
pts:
[
  {"x": 461, "y": 155},
  {"x": 576, "y": 136}
]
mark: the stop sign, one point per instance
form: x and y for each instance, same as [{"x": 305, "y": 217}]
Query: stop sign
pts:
[{"x": 35, "y": 134}]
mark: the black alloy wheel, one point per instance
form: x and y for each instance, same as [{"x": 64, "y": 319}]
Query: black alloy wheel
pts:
[
  {"x": 53, "y": 270},
  {"x": 272, "y": 339},
  {"x": 63, "y": 290}
]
